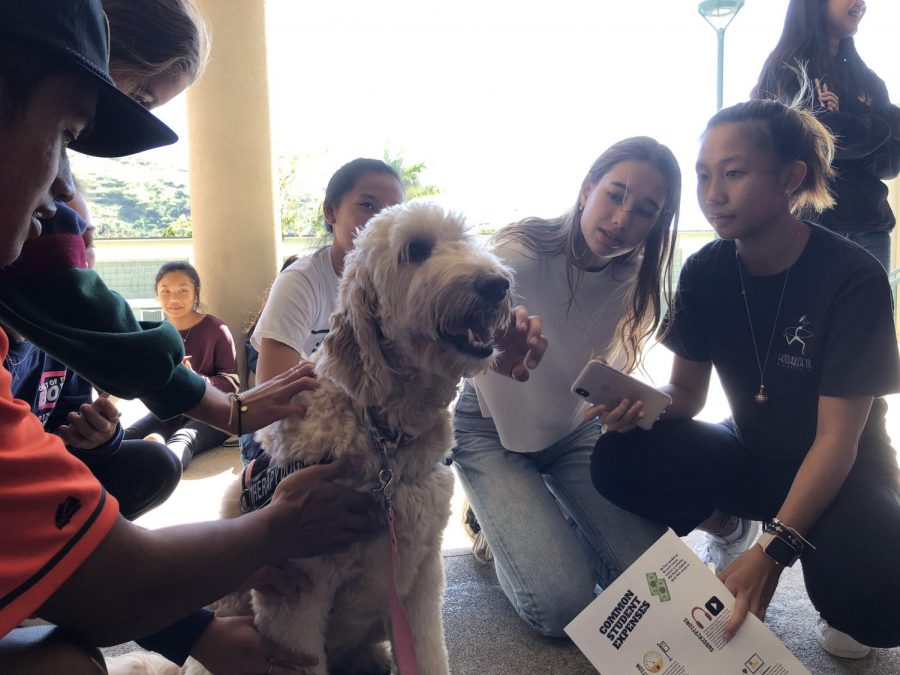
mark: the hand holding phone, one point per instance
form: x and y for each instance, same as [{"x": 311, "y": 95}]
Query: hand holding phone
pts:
[{"x": 600, "y": 384}]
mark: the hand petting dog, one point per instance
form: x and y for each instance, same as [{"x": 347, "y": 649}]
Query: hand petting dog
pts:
[{"x": 312, "y": 516}]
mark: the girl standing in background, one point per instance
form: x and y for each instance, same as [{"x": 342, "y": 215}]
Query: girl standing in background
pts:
[{"x": 852, "y": 102}]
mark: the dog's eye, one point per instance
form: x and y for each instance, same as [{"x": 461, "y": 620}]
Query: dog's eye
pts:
[{"x": 419, "y": 250}]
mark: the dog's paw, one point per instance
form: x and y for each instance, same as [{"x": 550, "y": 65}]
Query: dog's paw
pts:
[{"x": 373, "y": 659}]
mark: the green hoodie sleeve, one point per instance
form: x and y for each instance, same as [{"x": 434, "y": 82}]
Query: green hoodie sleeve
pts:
[{"x": 72, "y": 315}]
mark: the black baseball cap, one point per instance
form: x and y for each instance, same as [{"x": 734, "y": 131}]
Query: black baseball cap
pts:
[{"x": 78, "y": 31}]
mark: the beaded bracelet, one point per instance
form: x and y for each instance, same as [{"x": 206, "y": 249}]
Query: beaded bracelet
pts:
[{"x": 805, "y": 541}]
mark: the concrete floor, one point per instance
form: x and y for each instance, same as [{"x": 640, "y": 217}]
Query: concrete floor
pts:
[{"x": 477, "y": 615}]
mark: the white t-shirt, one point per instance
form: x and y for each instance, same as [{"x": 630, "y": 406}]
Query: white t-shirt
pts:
[
  {"x": 298, "y": 311},
  {"x": 533, "y": 415}
]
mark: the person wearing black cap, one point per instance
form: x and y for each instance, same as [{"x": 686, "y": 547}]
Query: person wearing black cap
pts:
[
  {"x": 69, "y": 312},
  {"x": 67, "y": 555}
]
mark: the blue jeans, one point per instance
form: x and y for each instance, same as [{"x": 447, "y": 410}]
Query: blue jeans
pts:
[
  {"x": 546, "y": 567},
  {"x": 250, "y": 449},
  {"x": 878, "y": 244}
]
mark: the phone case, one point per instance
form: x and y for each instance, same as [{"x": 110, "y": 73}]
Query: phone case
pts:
[{"x": 599, "y": 383}]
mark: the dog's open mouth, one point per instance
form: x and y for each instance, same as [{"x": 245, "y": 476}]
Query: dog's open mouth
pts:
[{"x": 473, "y": 338}]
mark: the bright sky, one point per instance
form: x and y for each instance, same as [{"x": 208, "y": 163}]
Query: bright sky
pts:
[{"x": 509, "y": 101}]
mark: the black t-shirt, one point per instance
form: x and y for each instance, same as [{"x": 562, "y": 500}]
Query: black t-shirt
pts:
[{"x": 834, "y": 336}]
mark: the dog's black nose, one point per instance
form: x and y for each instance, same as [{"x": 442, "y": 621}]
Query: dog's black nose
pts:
[{"x": 492, "y": 288}]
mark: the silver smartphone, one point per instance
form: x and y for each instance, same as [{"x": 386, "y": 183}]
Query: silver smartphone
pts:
[{"x": 600, "y": 383}]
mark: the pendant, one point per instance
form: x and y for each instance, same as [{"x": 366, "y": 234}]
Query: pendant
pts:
[{"x": 761, "y": 395}]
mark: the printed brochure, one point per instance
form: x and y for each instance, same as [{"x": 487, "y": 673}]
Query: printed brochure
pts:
[{"x": 665, "y": 615}]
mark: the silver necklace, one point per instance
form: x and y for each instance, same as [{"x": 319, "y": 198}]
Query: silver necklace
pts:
[
  {"x": 9, "y": 363},
  {"x": 761, "y": 396},
  {"x": 187, "y": 335},
  {"x": 8, "y": 360}
]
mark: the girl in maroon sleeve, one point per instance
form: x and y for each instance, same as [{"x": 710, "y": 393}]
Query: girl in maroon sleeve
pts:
[{"x": 209, "y": 351}]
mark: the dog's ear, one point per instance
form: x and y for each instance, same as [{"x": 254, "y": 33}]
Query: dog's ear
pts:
[{"x": 351, "y": 353}]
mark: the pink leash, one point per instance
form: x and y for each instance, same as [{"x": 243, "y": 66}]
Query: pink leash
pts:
[{"x": 404, "y": 643}]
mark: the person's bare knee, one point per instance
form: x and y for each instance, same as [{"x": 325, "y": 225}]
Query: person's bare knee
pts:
[{"x": 39, "y": 650}]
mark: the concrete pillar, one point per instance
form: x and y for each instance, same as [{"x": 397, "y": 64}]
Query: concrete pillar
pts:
[{"x": 236, "y": 233}]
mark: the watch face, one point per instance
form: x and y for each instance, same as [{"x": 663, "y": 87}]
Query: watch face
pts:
[{"x": 779, "y": 551}]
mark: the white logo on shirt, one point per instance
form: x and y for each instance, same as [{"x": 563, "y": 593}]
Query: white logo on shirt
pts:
[
  {"x": 798, "y": 334},
  {"x": 797, "y": 337}
]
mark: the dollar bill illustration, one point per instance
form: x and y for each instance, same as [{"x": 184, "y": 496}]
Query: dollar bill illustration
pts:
[{"x": 658, "y": 587}]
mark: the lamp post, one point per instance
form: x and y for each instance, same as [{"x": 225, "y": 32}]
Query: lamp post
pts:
[{"x": 719, "y": 14}]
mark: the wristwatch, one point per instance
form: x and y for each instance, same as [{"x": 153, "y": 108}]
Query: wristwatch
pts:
[{"x": 778, "y": 549}]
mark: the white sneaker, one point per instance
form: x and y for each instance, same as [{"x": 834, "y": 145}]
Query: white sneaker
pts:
[
  {"x": 480, "y": 548},
  {"x": 722, "y": 551},
  {"x": 838, "y": 643}
]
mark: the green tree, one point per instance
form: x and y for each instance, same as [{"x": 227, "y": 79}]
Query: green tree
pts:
[
  {"x": 300, "y": 213},
  {"x": 410, "y": 177},
  {"x": 180, "y": 228},
  {"x": 134, "y": 198}
]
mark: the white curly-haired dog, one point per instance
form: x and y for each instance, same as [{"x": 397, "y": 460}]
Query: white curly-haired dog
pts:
[{"x": 420, "y": 302}]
